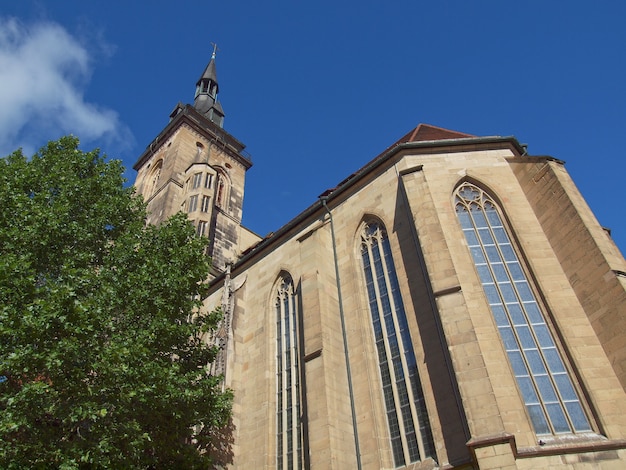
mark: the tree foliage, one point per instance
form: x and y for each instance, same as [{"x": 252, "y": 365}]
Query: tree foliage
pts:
[{"x": 102, "y": 362}]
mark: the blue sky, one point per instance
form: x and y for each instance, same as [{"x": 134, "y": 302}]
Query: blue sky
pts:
[{"x": 317, "y": 89}]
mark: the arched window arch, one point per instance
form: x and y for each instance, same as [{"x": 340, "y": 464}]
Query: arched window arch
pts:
[
  {"x": 288, "y": 423},
  {"x": 551, "y": 400},
  {"x": 407, "y": 418},
  {"x": 154, "y": 178}
]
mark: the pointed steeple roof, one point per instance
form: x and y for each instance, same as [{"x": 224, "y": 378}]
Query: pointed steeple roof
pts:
[
  {"x": 209, "y": 73},
  {"x": 207, "y": 89}
]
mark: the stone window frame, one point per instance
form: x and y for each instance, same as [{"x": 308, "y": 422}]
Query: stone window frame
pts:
[
  {"x": 205, "y": 206},
  {"x": 193, "y": 204},
  {"x": 408, "y": 424},
  {"x": 542, "y": 373},
  {"x": 208, "y": 181},
  {"x": 201, "y": 228},
  {"x": 197, "y": 180}
]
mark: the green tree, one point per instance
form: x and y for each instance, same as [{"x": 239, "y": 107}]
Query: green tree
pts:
[{"x": 102, "y": 363}]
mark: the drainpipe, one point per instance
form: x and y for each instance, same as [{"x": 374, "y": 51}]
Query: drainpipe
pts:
[{"x": 323, "y": 200}]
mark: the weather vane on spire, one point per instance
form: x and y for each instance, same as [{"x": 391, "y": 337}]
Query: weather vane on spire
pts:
[{"x": 215, "y": 49}]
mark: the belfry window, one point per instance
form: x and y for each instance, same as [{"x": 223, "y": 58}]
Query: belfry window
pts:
[
  {"x": 551, "y": 400},
  {"x": 288, "y": 423},
  {"x": 407, "y": 418}
]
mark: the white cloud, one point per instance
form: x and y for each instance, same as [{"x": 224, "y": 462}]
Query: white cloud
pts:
[{"x": 43, "y": 72}]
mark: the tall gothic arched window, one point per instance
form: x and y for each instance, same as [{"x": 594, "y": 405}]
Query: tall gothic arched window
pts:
[
  {"x": 551, "y": 400},
  {"x": 154, "y": 178},
  {"x": 288, "y": 422},
  {"x": 407, "y": 418}
]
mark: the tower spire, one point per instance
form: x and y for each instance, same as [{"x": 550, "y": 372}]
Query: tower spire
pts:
[{"x": 207, "y": 88}]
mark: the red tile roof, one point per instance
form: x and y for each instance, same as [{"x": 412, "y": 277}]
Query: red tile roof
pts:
[{"x": 426, "y": 132}]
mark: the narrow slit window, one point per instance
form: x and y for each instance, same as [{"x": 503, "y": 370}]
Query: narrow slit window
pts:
[
  {"x": 206, "y": 200},
  {"x": 193, "y": 203},
  {"x": 201, "y": 228},
  {"x": 197, "y": 180}
]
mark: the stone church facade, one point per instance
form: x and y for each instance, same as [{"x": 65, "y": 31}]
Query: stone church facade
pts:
[{"x": 452, "y": 304}]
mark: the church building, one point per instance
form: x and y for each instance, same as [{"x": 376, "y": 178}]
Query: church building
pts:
[{"x": 452, "y": 304}]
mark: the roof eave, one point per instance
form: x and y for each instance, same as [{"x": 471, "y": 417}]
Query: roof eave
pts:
[{"x": 330, "y": 195}]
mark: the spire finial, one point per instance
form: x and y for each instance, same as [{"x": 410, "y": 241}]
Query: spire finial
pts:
[{"x": 214, "y": 50}]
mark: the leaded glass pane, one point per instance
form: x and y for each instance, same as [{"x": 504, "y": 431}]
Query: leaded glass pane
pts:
[
  {"x": 500, "y": 315},
  {"x": 472, "y": 239},
  {"x": 501, "y": 236},
  {"x": 510, "y": 343},
  {"x": 565, "y": 387},
  {"x": 508, "y": 294},
  {"x": 499, "y": 271},
  {"x": 516, "y": 271},
  {"x": 485, "y": 274},
  {"x": 543, "y": 336},
  {"x": 492, "y": 293},
  {"x": 545, "y": 388},
  {"x": 538, "y": 418},
  {"x": 507, "y": 252},
  {"x": 517, "y": 316},
  {"x": 527, "y": 389},
  {"x": 535, "y": 362},
  {"x": 525, "y": 337},
  {"x": 524, "y": 291},
  {"x": 466, "y": 221},
  {"x": 494, "y": 218},
  {"x": 492, "y": 254},
  {"x": 517, "y": 363},
  {"x": 557, "y": 418},
  {"x": 534, "y": 314},
  {"x": 541, "y": 375},
  {"x": 577, "y": 415},
  {"x": 478, "y": 255},
  {"x": 485, "y": 236},
  {"x": 555, "y": 364}
]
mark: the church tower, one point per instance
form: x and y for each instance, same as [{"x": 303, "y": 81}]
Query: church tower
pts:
[{"x": 195, "y": 166}]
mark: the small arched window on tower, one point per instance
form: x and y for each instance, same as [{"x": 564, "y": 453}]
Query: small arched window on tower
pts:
[
  {"x": 154, "y": 179},
  {"x": 407, "y": 417},
  {"x": 289, "y": 436},
  {"x": 551, "y": 400}
]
